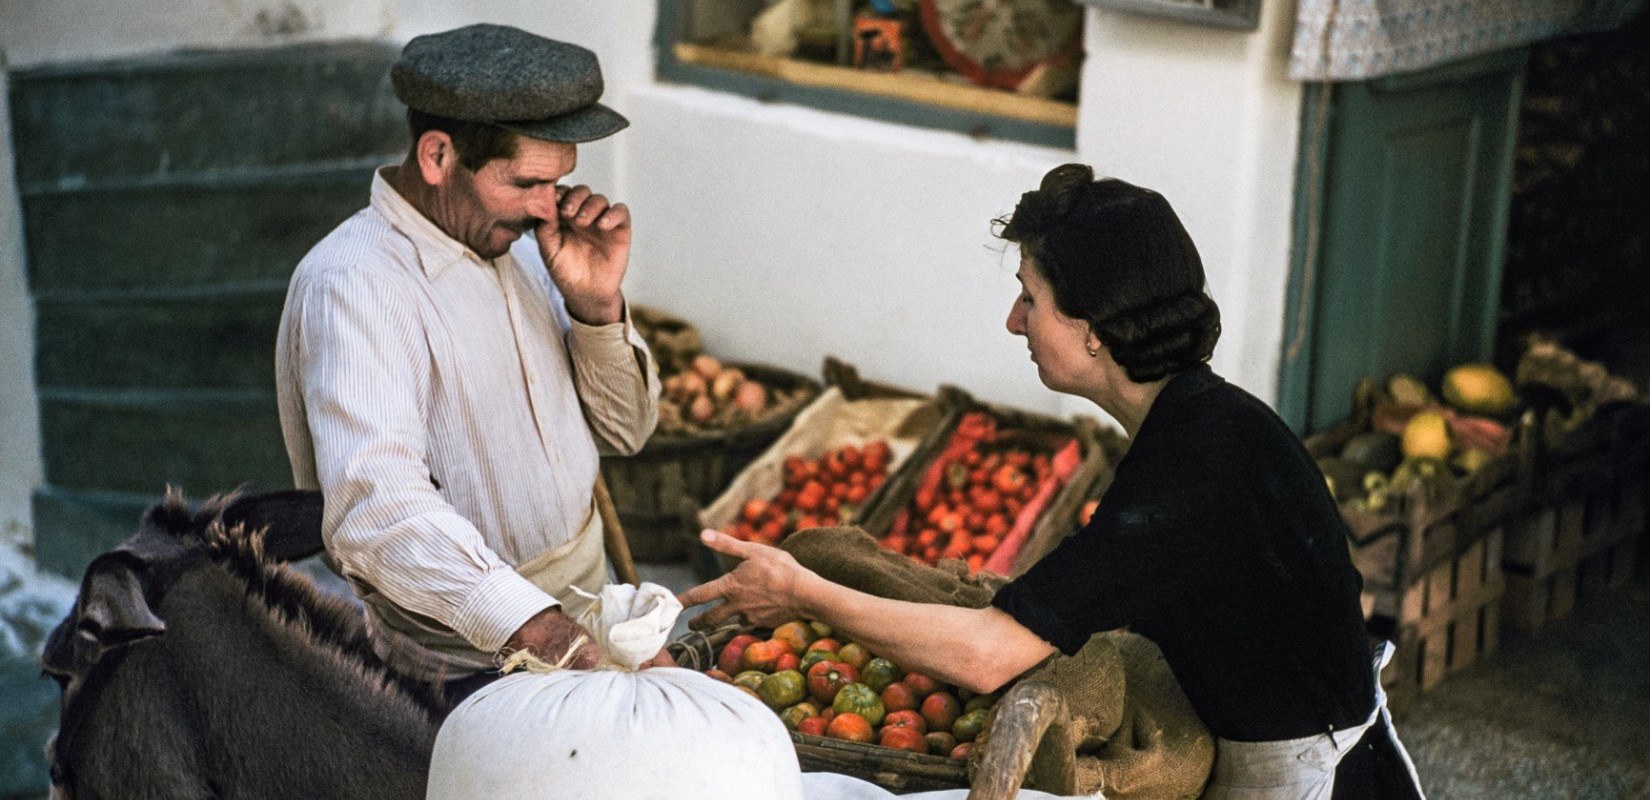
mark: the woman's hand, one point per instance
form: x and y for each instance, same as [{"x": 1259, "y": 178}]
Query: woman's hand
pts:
[{"x": 763, "y": 589}]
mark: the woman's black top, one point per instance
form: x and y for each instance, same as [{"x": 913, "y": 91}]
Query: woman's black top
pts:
[{"x": 1219, "y": 541}]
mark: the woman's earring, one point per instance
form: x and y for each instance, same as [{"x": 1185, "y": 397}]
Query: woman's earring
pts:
[{"x": 1094, "y": 351}]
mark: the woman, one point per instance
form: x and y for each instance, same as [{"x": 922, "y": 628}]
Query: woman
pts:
[{"x": 1218, "y": 539}]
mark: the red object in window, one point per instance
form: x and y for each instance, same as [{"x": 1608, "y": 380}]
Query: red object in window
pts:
[{"x": 999, "y": 43}]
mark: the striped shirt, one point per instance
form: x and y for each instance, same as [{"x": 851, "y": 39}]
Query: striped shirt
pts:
[{"x": 450, "y": 410}]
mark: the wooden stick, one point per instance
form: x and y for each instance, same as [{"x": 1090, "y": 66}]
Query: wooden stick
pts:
[
  {"x": 1033, "y": 717},
  {"x": 618, "y": 548}
]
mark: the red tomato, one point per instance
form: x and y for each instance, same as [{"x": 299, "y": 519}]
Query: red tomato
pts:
[
  {"x": 899, "y": 696},
  {"x": 730, "y": 659},
  {"x": 827, "y": 678},
  {"x": 903, "y": 739},
  {"x": 813, "y": 726},
  {"x": 1008, "y": 479},
  {"x": 940, "y": 710},
  {"x": 904, "y": 719},
  {"x": 849, "y": 727}
]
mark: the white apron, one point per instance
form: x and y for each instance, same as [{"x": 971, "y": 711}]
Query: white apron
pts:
[
  {"x": 1298, "y": 769},
  {"x": 429, "y": 650}
]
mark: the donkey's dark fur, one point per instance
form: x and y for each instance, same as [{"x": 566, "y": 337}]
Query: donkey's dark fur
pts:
[{"x": 194, "y": 666}]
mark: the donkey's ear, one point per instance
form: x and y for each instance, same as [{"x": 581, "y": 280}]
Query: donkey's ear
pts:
[
  {"x": 112, "y": 607},
  {"x": 292, "y": 519},
  {"x": 111, "y": 611}
]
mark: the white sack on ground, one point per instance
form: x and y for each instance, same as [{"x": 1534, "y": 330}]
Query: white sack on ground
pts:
[{"x": 665, "y": 733}]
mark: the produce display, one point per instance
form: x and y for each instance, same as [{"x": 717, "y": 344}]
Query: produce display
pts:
[
  {"x": 701, "y": 394},
  {"x": 1552, "y": 376},
  {"x": 978, "y": 500},
  {"x": 710, "y": 395},
  {"x": 1415, "y": 436},
  {"x": 818, "y": 493},
  {"x": 823, "y": 685}
]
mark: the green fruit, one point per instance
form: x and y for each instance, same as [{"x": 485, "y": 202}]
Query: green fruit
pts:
[
  {"x": 979, "y": 702},
  {"x": 1374, "y": 450},
  {"x": 782, "y": 689},
  {"x": 857, "y": 698},
  {"x": 1345, "y": 477},
  {"x": 750, "y": 679},
  {"x": 878, "y": 673},
  {"x": 795, "y": 714},
  {"x": 821, "y": 630},
  {"x": 813, "y": 657},
  {"x": 968, "y": 725}
]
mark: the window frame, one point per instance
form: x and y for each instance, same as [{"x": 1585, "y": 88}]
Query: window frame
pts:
[{"x": 902, "y": 111}]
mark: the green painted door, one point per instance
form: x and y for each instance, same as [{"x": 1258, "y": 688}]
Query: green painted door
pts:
[{"x": 1401, "y": 226}]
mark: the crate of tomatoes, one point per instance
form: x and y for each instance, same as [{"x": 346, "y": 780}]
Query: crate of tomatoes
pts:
[
  {"x": 830, "y": 467},
  {"x": 848, "y": 710},
  {"x": 996, "y": 488}
]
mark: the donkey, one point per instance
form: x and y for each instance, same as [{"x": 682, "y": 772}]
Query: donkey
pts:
[{"x": 194, "y": 665}]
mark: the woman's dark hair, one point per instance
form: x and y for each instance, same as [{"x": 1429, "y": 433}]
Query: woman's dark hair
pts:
[
  {"x": 1117, "y": 256},
  {"x": 476, "y": 142}
]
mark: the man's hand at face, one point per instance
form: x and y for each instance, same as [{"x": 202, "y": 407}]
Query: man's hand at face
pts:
[
  {"x": 585, "y": 241},
  {"x": 550, "y": 634}
]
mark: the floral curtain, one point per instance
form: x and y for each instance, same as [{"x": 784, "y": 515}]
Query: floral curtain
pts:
[{"x": 1363, "y": 39}]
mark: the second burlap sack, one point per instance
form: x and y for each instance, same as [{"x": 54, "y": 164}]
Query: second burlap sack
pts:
[{"x": 1133, "y": 730}]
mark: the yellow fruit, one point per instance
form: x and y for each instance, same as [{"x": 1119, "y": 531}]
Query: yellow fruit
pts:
[
  {"x": 1426, "y": 436},
  {"x": 1478, "y": 389}
]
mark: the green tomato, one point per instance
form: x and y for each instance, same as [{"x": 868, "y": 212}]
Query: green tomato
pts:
[{"x": 857, "y": 698}]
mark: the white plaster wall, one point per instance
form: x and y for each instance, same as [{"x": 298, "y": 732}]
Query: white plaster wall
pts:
[
  {"x": 788, "y": 234},
  {"x": 1206, "y": 117},
  {"x": 20, "y": 465}
]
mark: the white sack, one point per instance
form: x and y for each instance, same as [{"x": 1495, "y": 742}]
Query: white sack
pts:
[
  {"x": 631, "y": 624},
  {"x": 665, "y": 733}
]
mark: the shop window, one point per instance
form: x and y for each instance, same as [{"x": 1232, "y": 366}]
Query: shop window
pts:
[{"x": 992, "y": 68}]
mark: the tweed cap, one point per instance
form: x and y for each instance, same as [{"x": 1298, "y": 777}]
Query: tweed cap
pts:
[{"x": 506, "y": 76}]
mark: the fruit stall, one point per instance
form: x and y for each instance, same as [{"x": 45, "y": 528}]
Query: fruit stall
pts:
[{"x": 1483, "y": 500}]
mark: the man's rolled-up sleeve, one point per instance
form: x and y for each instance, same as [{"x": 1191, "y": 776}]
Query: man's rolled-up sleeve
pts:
[
  {"x": 617, "y": 382},
  {"x": 365, "y": 370}
]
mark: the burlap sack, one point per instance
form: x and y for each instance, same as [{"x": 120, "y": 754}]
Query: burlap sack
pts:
[{"x": 1134, "y": 732}]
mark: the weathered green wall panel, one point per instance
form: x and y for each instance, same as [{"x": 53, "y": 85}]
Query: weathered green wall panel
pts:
[
  {"x": 166, "y": 201},
  {"x": 211, "y": 342},
  {"x": 188, "y": 235},
  {"x": 142, "y": 442},
  {"x": 83, "y": 524},
  {"x": 204, "y": 112}
]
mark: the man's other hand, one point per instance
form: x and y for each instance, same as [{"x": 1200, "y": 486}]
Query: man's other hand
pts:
[{"x": 550, "y": 634}]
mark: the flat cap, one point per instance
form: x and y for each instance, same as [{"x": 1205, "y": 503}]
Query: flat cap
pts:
[{"x": 506, "y": 76}]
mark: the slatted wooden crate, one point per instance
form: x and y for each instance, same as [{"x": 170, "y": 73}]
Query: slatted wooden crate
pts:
[
  {"x": 1447, "y": 620},
  {"x": 1579, "y": 536}
]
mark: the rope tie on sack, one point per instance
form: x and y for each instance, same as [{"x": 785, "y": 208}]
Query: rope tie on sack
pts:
[{"x": 524, "y": 659}]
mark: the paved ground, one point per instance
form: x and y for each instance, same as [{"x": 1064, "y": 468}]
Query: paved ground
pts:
[{"x": 1564, "y": 715}]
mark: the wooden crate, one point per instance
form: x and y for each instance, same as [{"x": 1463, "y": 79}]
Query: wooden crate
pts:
[
  {"x": 906, "y": 418},
  {"x": 1058, "y": 518},
  {"x": 649, "y": 488},
  {"x": 1447, "y": 620},
  {"x": 1578, "y": 537}
]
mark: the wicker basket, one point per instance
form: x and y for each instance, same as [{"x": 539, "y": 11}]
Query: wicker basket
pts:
[{"x": 650, "y": 488}]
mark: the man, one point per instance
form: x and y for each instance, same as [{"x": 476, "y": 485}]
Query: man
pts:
[{"x": 448, "y": 400}]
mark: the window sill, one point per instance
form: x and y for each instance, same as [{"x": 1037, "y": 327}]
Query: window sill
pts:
[{"x": 914, "y": 87}]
